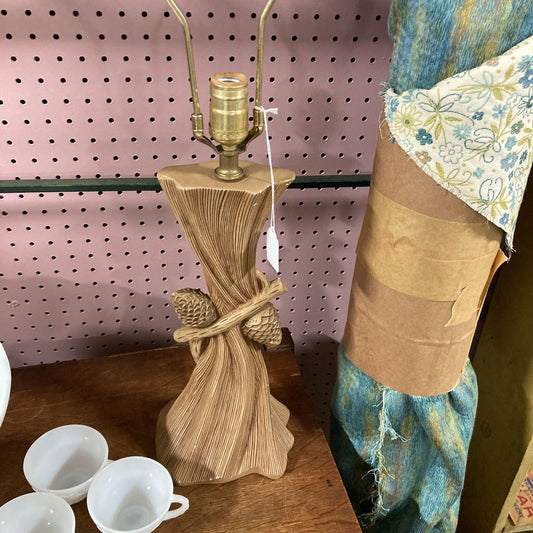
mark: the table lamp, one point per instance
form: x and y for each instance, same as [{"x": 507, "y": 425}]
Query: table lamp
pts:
[{"x": 225, "y": 423}]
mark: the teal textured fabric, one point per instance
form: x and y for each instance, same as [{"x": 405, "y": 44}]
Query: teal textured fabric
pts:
[
  {"x": 435, "y": 40},
  {"x": 402, "y": 457}
]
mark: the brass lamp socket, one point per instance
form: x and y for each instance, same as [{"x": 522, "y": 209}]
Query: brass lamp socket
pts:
[{"x": 228, "y": 124}]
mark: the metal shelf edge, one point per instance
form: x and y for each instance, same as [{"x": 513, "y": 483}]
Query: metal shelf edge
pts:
[{"x": 151, "y": 184}]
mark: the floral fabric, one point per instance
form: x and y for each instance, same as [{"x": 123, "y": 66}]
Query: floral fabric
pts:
[{"x": 473, "y": 133}]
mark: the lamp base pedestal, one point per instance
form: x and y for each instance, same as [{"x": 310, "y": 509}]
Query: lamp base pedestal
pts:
[{"x": 225, "y": 424}]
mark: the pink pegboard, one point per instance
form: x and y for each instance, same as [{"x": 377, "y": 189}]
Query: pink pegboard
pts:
[
  {"x": 99, "y": 89},
  {"x": 91, "y": 277},
  {"x": 87, "y": 274}
]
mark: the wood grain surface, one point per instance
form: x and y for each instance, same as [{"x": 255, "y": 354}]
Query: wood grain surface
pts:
[{"x": 121, "y": 396}]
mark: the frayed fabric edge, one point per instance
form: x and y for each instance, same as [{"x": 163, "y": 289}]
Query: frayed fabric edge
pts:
[{"x": 377, "y": 460}]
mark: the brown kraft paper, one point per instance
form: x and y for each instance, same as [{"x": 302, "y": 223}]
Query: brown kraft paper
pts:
[
  {"x": 424, "y": 262},
  {"x": 427, "y": 257}
]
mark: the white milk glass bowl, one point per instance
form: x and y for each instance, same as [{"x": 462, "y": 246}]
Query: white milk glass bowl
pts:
[
  {"x": 5, "y": 382},
  {"x": 133, "y": 495},
  {"x": 64, "y": 460},
  {"x": 37, "y": 512}
]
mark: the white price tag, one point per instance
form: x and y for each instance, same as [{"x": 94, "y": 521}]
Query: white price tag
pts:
[
  {"x": 272, "y": 239},
  {"x": 273, "y": 248}
]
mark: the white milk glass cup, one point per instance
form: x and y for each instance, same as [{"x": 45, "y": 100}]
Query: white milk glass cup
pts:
[
  {"x": 37, "y": 512},
  {"x": 133, "y": 495},
  {"x": 64, "y": 460},
  {"x": 5, "y": 382}
]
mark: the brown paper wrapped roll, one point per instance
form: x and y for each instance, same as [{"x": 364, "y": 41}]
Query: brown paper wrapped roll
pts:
[{"x": 424, "y": 262}]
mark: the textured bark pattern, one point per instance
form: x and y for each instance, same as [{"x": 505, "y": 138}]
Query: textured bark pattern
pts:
[{"x": 225, "y": 424}]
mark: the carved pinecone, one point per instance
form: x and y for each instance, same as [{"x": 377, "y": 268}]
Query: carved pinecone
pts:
[
  {"x": 194, "y": 307},
  {"x": 264, "y": 327}
]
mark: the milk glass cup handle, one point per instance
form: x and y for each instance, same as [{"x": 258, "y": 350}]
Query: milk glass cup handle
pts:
[{"x": 176, "y": 498}]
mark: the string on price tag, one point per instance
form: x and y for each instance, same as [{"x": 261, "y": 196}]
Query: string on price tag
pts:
[{"x": 272, "y": 243}]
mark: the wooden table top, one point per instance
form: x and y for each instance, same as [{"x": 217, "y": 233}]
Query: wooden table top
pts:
[{"x": 121, "y": 396}]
